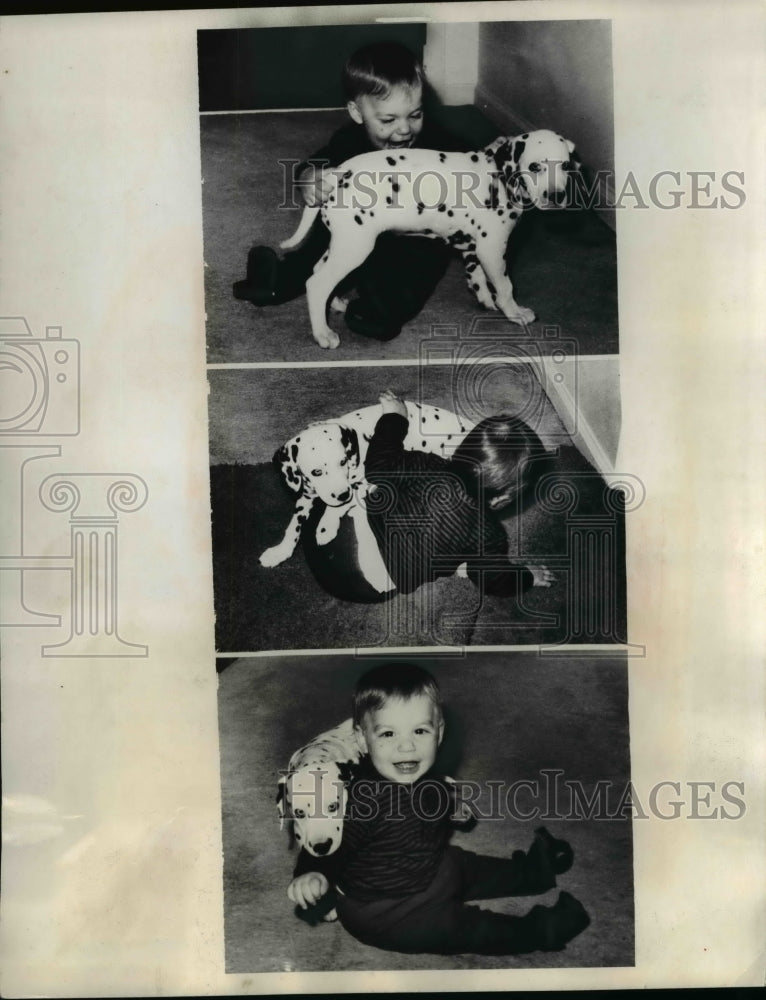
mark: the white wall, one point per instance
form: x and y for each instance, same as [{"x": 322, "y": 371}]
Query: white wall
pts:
[
  {"x": 552, "y": 74},
  {"x": 451, "y": 61}
]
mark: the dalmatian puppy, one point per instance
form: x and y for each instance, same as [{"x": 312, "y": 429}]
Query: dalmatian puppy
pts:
[
  {"x": 313, "y": 792},
  {"x": 326, "y": 462},
  {"x": 470, "y": 200}
]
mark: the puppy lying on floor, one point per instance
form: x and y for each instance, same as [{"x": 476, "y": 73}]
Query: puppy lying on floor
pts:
[{"x": 325, "y": 462}]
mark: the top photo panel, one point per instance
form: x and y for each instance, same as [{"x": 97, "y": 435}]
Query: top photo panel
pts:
[{"x": 366, "y": 185}]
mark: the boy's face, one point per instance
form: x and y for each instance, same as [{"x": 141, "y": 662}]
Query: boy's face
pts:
[
  {"x": 393, "y": 121},
  {"x": 402, "y": 737}
]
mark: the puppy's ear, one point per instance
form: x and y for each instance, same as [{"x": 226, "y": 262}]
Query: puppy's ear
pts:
[
  {"x": 494, "y": 146},
  {"x": 285, "y": 461},
  {"x": 281, "y": 794},
  {"x": 350, "y": 441}
]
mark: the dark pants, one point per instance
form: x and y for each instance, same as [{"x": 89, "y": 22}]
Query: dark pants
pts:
[
  {"x": 437, "y": 919},
  {"x": 395, "y": 281}
]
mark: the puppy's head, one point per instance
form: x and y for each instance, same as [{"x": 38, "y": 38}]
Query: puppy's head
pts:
[
  {"x": 312, "y": 800},
  {"x": 536, "y": 167},
  {"x": 323, "y": 462}
]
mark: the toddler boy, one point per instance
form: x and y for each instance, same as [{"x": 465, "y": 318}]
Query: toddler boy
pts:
[
  {"x": 383, "y": 84},
  {"x": 400, "y": 885}
]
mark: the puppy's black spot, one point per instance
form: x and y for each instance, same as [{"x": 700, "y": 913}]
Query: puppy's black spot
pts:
[
  {"x": 394, "y": 186},
  {"x": 442, "y": 208},
  {"x": 357, "y": 220},
  {"x": 474, "y": 158},
  {"x": 514, "y": 215},
  {"x": 450, "y": 213},
  {"x": 390, "y": 161},
  {"x": 442, "y": 157},
  {"x": 389, "y": 199}
]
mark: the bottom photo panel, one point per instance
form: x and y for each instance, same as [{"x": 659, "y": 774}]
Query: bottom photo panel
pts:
[{"x": 409, "y": 812}]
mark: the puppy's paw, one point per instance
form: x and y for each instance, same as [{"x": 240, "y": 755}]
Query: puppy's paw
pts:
[
  {"x": 521, "y": 315},
  {"x": 327, "y": 339},
  {"x": 276, "y": 554}
]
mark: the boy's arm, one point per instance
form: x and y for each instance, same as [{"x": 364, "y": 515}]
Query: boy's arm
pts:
[
  {"x": 386, "y": 448},
  {"x": 345, "y": 142}
]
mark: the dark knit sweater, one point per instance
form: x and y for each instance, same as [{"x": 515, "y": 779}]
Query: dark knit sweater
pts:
[
  {"x": 394, "y": 837},
  {"x": 424, "y": 521}
]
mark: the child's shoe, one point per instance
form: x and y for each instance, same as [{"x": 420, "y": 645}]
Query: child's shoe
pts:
[
  {"x": 259, "y": 285},
  {"x": 552, "y": 852},
  {"x": 552, "y": 927}
]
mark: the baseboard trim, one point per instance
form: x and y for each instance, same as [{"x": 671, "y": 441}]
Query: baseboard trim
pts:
[{"x": 578, "y": 428}]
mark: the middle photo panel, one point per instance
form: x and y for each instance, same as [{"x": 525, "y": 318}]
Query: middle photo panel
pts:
[{"x": 463, "y": 499}]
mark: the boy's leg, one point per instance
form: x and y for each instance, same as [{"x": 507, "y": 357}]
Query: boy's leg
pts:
[
  {"x": 435, "y": 921},
  {"x": 271, "y": 281},
  {"x": 395, "y": 282},
  {"x": 523, "y": 874}
]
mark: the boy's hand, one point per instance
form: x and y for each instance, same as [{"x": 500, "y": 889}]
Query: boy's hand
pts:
[
  {"x": 392, "y": 404},
  {"x": 308, "y": 889},
  {"x": 315, "y": 186},
  {"x": 541, "y": 576}
]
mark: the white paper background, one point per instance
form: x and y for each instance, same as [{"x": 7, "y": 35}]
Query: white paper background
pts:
[{"x": 101, "y": 235}]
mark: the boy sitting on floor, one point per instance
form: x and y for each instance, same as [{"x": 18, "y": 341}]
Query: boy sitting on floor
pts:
[
  {"x": 383, "y": 84},
  {"x": 400, "y": 885}
]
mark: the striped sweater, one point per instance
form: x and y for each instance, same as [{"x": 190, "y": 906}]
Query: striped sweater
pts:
[{"x": 394, "y": 837}]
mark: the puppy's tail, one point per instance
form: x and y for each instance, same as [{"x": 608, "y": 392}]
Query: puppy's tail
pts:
[{"x": 307, "y": 221}]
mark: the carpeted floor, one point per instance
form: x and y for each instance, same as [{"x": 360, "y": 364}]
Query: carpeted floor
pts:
[
  {"x": 516, "y": 717},
  {"x": 563, "y": 263},
  {"x": 252, "y": 412}
]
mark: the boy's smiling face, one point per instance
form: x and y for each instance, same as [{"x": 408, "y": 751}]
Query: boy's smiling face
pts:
[
  {"x": 402, "y": 737},
  {"x": 393, "y": 121}
]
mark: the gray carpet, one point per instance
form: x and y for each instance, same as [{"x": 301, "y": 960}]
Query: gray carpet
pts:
[
  {"x": 563, "y": 264},
  {"x": 509, "y": 716},
  {"x": 252, "y": 412}
]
